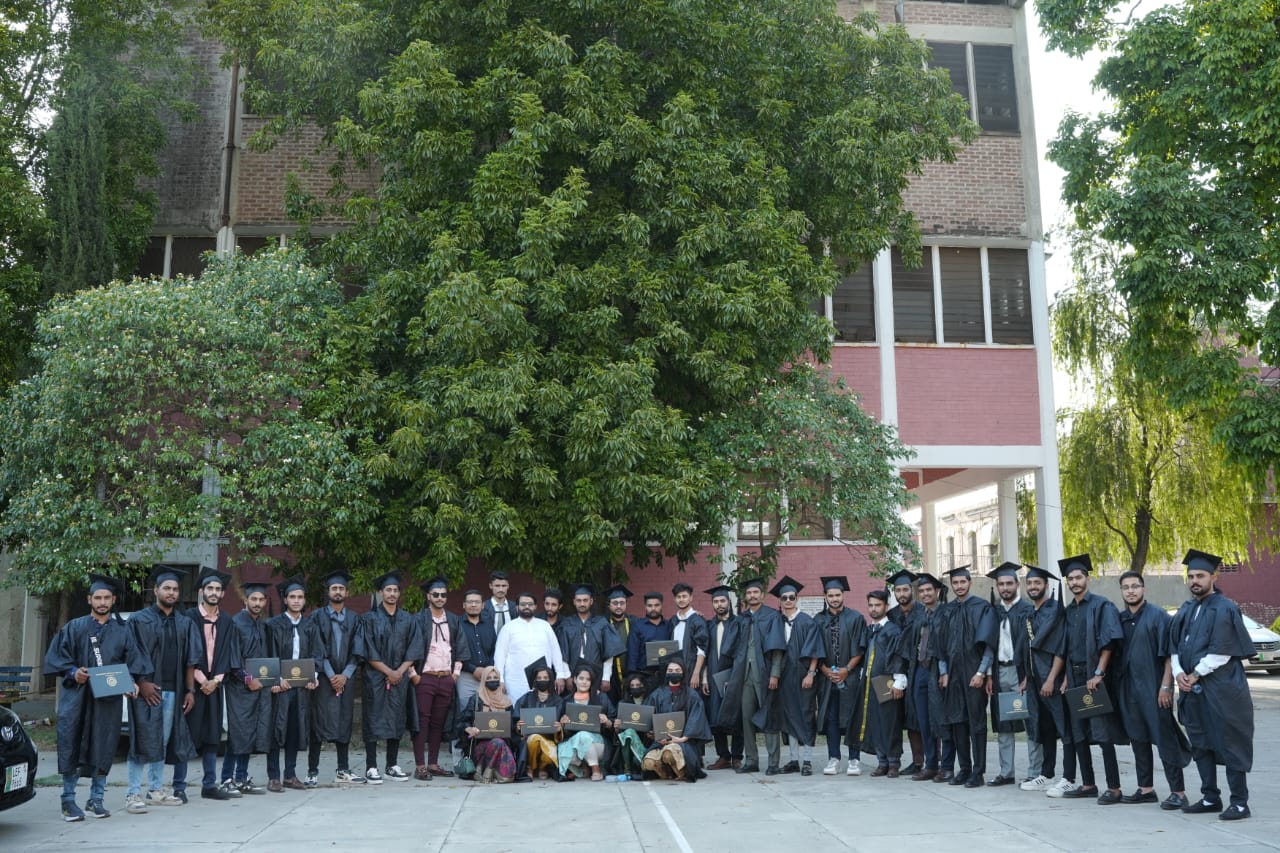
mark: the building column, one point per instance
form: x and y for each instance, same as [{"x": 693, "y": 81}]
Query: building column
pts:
[
  {"x": 882, "y": 282},
  {"x": 929, "y": 536},
  {"x": 1007, "y": 508},
  {"x": 1048, "y": 490}
]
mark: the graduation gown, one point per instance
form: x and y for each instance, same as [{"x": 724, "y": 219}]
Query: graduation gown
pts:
[
  {"x": 249, "y": 713},
  {"x": 622, "y": 627},
  {"x": 910, "y": 624},
  {"x": 388, "y": 709},
  {"x": 1101, "y": 627},
  {"x": 1047, "y": 638},
  {"x": 89, "y": 728},
  {"x": 593, "y": 641},
  {"x": 1219, "y": 713},
  {"x": 1146, "y": 648},
  {"x": 843, "y": 637},
  {"x": 766, "y": 623},
  {"x": 968, "y": 630},
  {"x": 554, "y": 701},
  {"x": 667, "y": 701},
  {"x": 1016, "y": 617},
  {"x": 205, "y": 719},
  {"x": 280, "y": 630},
  {"x": 146, "y": 722},
  {"x": 879, "y": 727},
  {"x": 695, "y": 639},
  {"x": 718, "y": 661},
  {"x": 331, "y": 712},
  {"x": 799, "y": 706}
]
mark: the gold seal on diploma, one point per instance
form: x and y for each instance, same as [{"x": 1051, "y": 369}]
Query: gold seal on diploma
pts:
[
  {"x": 538, "y": 719},
  {"x": 112, "y": 681},
  {"x": 296, "y": 672},
  {"x": 1087, "y": 699},
  {"x": 671, "y": 725},
  {"x": 493, "y": 724},
  {"x": 1017, "y": 704},
  {"x": 635, "y": 716},
  {"x": 582, "y": 716},
  {"x": 263, "y": 670},
  {"x": 662, "y": 652}
]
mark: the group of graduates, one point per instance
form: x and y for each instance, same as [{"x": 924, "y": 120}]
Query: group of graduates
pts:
[{"x": 934, "y": 669}]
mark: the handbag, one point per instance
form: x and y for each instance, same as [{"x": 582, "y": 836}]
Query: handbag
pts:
[{"x": 466, "y": 768}]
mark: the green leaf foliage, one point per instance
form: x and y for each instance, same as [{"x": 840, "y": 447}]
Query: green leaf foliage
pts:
[
  {"x": 176, "y": 409},
  {"x": 600, "y": 224},
  {"x": 1180, "y": 176}
]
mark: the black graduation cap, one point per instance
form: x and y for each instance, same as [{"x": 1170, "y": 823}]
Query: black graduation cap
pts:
[
  {"x": 618, "y": 591},
  {"x": 339, "y": 577},
  {"x": 681, "y": 587},
  {"x": 901, "y": 578},
  {"x": 99, "y": 582},
  {"x": 758, "y": 583},
  {"x": 164, "y": 572},
  {"x": 1037, "y": 572},
  {"x": 254, "y": 586},
  {"x": 288, "y": 585},
  {"x": 208, "y": 575},
  {"x": 1078, "y": 563},
  {"x": 553, "y": 592},
  {"x": 881, "y": 594},
  {"x": 389, "y": 579},
  {"x": 925, "y": 577},
  {"x": 1202, "y": 561},
  {"x": 435, "y": 583},
  {"x": 531, "y": 670},
  {"x": 718, "y": 590},
  {"x": 959, "y": 572},
  {"x": 1004, "y": 570},
  {"x": 584, "y": 589},
  {"x": 786, "y": 583},
  {"x": 839, "y": 582}
]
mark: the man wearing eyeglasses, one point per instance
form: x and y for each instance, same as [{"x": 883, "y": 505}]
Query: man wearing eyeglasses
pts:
[
  {"x": 798, "y": 683},
  {"x": 435, "y": 679}
]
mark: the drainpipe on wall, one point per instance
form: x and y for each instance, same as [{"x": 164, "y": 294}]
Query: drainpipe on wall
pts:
[{"x": 226, "y": 238}]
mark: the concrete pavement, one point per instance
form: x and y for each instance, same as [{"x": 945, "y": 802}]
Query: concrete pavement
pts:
[{"x": 724, "y": 812}]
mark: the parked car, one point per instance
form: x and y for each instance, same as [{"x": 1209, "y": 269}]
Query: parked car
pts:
[
  {"x": 1266, "y": 644},
  {"x": 18, "y": 761}
]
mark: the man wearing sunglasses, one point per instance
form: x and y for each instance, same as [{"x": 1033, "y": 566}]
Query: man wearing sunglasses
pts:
[{"x": 435, "y": 679}]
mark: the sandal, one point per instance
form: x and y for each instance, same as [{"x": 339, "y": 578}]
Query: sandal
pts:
[
  {"x": 422, "y": 774},
  {"x": 437, "y": 770},
  {"x": 597, "y": 776}
]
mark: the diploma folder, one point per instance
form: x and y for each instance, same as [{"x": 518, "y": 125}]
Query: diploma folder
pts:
[
  {"x": 1013, "y": 706},
  {"x": 266, "y": 670},
  {"x": 299, "y": 673},
  {"x": 1082, "y": 704},
  {"x": 656, "y": 652},
  {"x": 721, "y": 681},
  {"x": 633, "y": 716},
  {"x": 668, "y": 725},
  {"x": 494, "y": 724},
  {"x": 882, "y": 687},
  {"x": 113, "y": 680},
  {"x": 537, "y": 721},
  {"x": 582, "y": 718}
]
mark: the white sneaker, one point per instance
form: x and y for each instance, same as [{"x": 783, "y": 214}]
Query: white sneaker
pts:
[
  {"x": 395, "y": 774},
  {"x": 372, "y": 776},
  {"x": 832, "y": 768},
  {"x": 855, "y": 769},
  {"x": 1039, "y": 783},
  {"x": 134, "y": 804},
  {"x": 1059, "y": 789},
  {"x": 346, "y": 777},
  {"x": 312, "y": 781},
  {"x": 162, "y": 797}
]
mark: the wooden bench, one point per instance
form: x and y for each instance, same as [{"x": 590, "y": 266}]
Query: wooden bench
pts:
[{"x": 14, "y": 681}]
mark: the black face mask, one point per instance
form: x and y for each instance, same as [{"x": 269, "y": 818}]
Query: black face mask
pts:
[
  {"x": 637, "y": 695},
  {"x": 493, "y": 685},
  {"x": 674, "y": 678},
  {"x": 542, "y": 684}
]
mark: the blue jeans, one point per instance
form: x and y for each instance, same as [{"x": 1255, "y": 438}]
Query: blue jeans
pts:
[
  {"x": 832, "y": 726},
  {"x": 155, "y": 769},
  {"x": 209, "y": 763},
  {"x": 920, "y": 695},
  {"x": 97, "y": 787},
  {"x": 235, "y": 767}
]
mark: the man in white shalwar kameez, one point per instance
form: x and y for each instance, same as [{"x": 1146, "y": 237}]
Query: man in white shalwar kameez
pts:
[{"x": 521, "y": 643}]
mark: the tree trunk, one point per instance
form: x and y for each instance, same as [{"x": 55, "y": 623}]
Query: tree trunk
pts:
[{"x": 1141, "y": 539}]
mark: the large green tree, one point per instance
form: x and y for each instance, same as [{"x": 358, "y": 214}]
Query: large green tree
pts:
[
  {"x": 598, "y": 221},
  {"x": 1182, "y": 173},
  {"x": 176, "y": 409},
  {"x": 1141, "y": 481}
]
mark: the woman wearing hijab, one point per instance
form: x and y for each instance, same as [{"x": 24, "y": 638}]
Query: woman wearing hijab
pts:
[
  {"x": 494, "y": 758},
  {"x": 581, "y": 753},
  {"x": 678, "y": 757},
  {"x": 539, "y": 755}
]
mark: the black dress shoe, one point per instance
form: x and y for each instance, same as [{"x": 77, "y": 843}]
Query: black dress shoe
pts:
[
  {"x": 924, "y": 775},
  {"x": 997, "y": 781},
  {"x": 974, "y": 781},
  {"x": 959, "y": 779},
  {"x": 943, "y": 777},
  {"x": 806, "y": 769},
  {"x": 1140, "y": 797},
  {"x": 214, "y": 794},
  {"x": 1081, "y": 793},
  {"x": 1174, "y": 802},
  {"x": 881, "y": 770},
  {"x": 1108, "y": 798},
  {"x": 772, "y": 770},
  {"x": 911, "y": 769},
  {"x": 1203, "y": 807},
  {"x": 791, "y": 767},
  {"x": 747, "y": 767},
  {"x": 1234, "y": 812}
]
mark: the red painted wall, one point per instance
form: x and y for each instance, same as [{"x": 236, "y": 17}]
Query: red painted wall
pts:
[{"x": 961, "y": 395}]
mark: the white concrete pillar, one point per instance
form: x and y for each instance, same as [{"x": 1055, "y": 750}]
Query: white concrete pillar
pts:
[
  {"x": 929, "y": 537},
  {"x": 1007, "y": 507}
]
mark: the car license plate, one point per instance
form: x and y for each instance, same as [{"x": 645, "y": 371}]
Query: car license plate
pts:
[
  {"x": 15, "y": 777},
  {"x": 1263, "y": 656}
]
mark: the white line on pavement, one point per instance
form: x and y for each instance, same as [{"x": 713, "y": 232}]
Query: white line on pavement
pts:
[{"x": 680, "y": 840}]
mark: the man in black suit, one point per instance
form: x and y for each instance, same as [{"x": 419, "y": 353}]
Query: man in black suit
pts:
[{"x": 498, "y": 611}]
